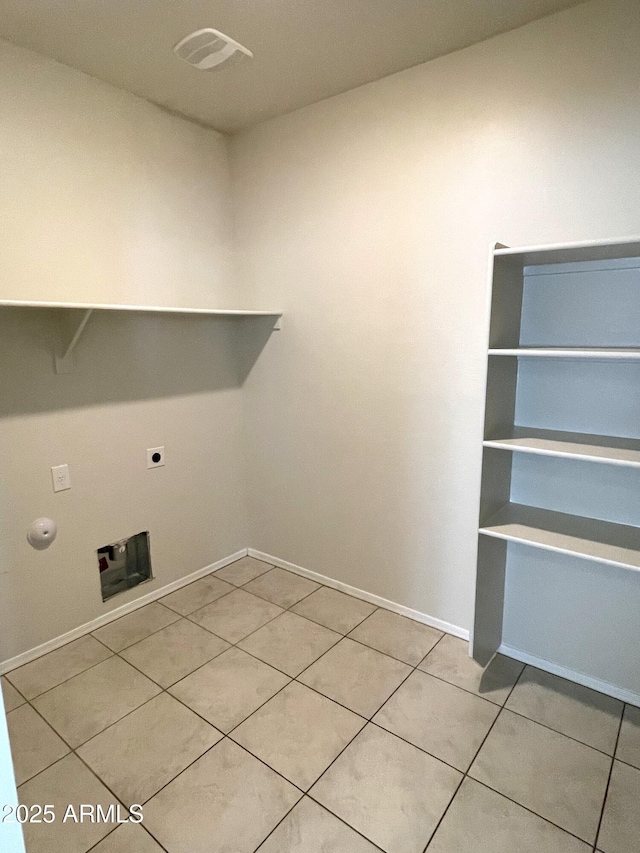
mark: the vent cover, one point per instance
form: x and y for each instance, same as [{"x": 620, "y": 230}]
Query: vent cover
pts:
[{"x": 209, "y": 49}]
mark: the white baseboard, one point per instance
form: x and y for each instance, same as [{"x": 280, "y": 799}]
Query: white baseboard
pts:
[
  {"x": 524, "y": 657},
  {"x": 572, "y": 675},
  {"x": 447, "y": 627},
  {"x": 129, "y": 607}
]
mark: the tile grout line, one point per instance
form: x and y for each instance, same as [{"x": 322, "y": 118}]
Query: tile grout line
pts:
[
  {"x": 529, "y": 810},
  {"x": 64, "y": 681},
  {"x": 189, "y": 617},
  {"x": 288, "y": 675},
  {"x": 133, "y": 612},
  {"x": 626, "y": 763},
  {"x": 24, "y": 699},
  {"x": 227, "y": 735},
  {"x": 500, "y": 793},
  {"x": 315, "y": 621},
  {"x": 501, "y": 707},
  {"x": 367, "y": 720},
  {"x": 141, "y": 825},
  {"x": 320, "y": 805},
  {"x": 466, "y": 772},
  {"x": 118, "y": 653},
  {"x": 346, "y": 746},
  {"x": 73, "y": 751},
  {"x": 556, "y": 731},
  {"x": 70, "y": 750},
  {"x": 124, "y": 648},
  {"x": 112, "y": 653},
  {"x": 102, "y": 782},
  {"x": 282, "y": 819},
  {"x": 184, "y": 769},
  {"x": 606, "y": 790},
  {"x": 306, "y": 793},
  {"x": 236, "y": 644},
  {"x": 165, "y": 690}
]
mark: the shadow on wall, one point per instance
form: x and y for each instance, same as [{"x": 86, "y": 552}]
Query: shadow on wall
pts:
[{"x": 122, "y": 357}]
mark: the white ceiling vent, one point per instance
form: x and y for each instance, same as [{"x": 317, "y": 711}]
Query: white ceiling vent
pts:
[{"x": 209, "y": 49}]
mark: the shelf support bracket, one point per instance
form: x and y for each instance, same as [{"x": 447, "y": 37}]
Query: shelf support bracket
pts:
[{"x": 64, "y": 363}]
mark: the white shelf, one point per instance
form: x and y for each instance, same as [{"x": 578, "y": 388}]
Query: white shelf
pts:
[
  {"x": 619, "y": 354},
  {"x": 74, "y": 317},
  {"x": 154, "y": 309},
  {"x": 588, "y": 538},
  {"x": 570, "y": 445},
  {"x": 559, "y": 253}
]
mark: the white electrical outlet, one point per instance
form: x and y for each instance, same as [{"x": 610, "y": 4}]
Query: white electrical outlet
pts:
[
  {"x": 61, "y": 478},
  {"x": 155, "y": 457}
]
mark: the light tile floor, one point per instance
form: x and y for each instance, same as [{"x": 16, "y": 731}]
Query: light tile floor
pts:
[{"x": 256, "y": 710}]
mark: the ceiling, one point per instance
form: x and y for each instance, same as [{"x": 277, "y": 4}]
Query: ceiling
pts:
[{"x": 304, "y": 50}]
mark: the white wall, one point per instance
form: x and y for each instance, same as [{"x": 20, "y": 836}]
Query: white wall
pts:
[
  {"x": 106, "y": 197},
  {"x": 368, "y": 218}
]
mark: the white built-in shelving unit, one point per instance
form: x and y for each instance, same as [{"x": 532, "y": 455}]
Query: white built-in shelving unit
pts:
[
  {"x": 74, "y": 317},
  {"x": 561, "y": 457}
]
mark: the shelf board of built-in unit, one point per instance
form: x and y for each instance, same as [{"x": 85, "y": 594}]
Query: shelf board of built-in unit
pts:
[
  {"x": 155, "y": 309},
  {"x": 569, "y": 445},
  {"x": 578, "y": 536},
  {"x": 614, "y": 353}
]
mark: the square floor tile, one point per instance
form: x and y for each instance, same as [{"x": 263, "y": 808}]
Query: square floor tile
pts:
[
  {"x": 388, "y": 790},
  {"x": 356, "y": 676},
  {"x": 227, "y": 801},
  {"x": 243, "y": 571},
  {"x": 148, "y": 748},
  {"x": 554, "y": 776},
  {"x": 569, "y": 708},
  {"x": 52, "y": 669},
  {"x": 235, "y": 615},
  {"x": 135, "y": 626},
  {"x": 334, "y": 609},
  {"x": 12, "y": 699},
  {"x": 629, "y": 742},
  {"x": 196, "y": 595},
  {"x": 290, "y": 643},
  {"x": 450, "y": 661},
  {"x": 438, "y": 717},
  {"x": 34, "y": 744},
  {"x": 128, "y": 838},
  {"x": 83, "y": 706},
  {"x": 620, "y": 830},
  {"x": 298, "y": 733},
  {"x": 281, "y": 587},
  {"x": 175, "y": 651},
  {"x": 397, "y": 636},
  {"x": 481, "y": 821},
  {"x": 229, "y": 688},
  {"x": 309, "y": 828},
  {"x": 68, "y": 782}
]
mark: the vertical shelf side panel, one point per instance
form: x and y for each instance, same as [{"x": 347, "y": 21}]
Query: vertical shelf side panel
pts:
[
  {"x": 492, "y": 558},
  {"x": 500, "y": 402},
  {"x": 496, "y": 482},
  {"x": 486, "y": 636},
  {"x": 500, "y": 405},
  {"x": 506, "y": 302}
]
